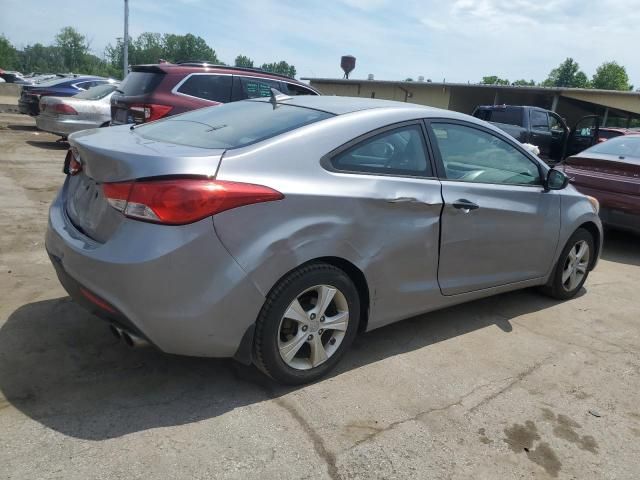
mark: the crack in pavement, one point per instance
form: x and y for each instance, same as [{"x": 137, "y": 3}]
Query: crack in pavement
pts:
[{"x": 485, "y": 400}]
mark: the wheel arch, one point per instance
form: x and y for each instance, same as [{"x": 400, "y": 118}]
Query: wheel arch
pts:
[{"x": 593, "y": 229}]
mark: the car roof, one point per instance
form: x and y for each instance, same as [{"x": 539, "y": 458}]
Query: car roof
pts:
[
  {"x": 341, "y": 105},
  {"x": 197, "y": 67}
]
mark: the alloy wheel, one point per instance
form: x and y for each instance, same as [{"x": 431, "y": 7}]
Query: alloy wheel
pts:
[
  {"x": 313, "y": 327},
  {"x": 575, "y": 266}
]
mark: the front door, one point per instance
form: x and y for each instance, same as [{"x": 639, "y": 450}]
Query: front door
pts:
[
  {"x": 541, "y": 135},
  {"x": 583, "y": 135},
  {"x": 498, "y": 225}
]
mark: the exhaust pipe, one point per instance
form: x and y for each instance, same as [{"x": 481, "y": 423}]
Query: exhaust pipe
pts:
[{"x": 131, "y": 339}]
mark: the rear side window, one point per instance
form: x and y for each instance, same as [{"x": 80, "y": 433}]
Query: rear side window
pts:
[
  {"x": 249, "y": 87},
  {"x": 396, "y": 152},
  {"x": 510, "y": 116},
  {"x": 140, "y": 83},
  {"x": 216, "y": 88},
  {"x": 230, "y": 125}
]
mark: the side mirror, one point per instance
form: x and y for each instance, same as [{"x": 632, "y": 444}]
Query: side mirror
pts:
[{"x": 556, "y": 180}]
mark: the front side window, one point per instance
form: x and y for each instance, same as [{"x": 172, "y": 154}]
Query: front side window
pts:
[
  {"x": 539, "y": 120},
  {"x": 294, "y": 89},
  {"x": 396, "y": 152},
  {"x": 473, "y": 155},
  {"x": 555, "y": 124},
  {"x": 216, "y": 88}
]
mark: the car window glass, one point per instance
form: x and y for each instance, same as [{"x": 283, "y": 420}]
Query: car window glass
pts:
[
  {"x": 256, "y": 87},
  {"x": 509, "y": 115},
  {"x": 625, "y": 145},
  {"x": 97, "y": 92},
  {"x": 472, "y": 155},
  {"x": 216, "y": 88},
  {"x": 400, "y": 151},
  {"x": 84, "y": 85},
  {"x": 555, "y": 124},
  {"x": 539, "y": 120},
  {"x": 140, "y": 83},
  {"x": 293, "y": 89},
  {"x": 231, "y": 125}
]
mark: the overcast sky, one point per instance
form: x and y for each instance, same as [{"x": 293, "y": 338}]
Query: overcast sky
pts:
[{"x": 460, "y": 40}]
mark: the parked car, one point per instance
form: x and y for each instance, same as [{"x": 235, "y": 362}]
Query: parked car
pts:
[
  {"x": 151, "y": 92},
  {"x": 13, "y": 77},
  {"x": 273, "y": 230},
  {"x": 29, "y": 102},
  {"x": 610, "y": 172},
  {"x": 546, "y": 129},
  {"x": 65, "y": 115}
]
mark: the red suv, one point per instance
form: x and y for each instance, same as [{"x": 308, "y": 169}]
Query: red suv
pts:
[{"x": 150, "y": 92}]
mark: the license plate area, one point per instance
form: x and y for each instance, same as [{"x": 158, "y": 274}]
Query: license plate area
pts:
[{"x": 86, "y": 206}]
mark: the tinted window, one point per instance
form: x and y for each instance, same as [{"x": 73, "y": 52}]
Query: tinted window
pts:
[
  {"x": 555, "y": 124},
  {"x": 626, "y": 145},
  {"x": 539, "y": 120},
  {"x": 140, "y": 83},
  {"x": 216, "y": 88},
  {"x": 400, "y": 151},
  {"x": 294, "y": 89},
  {"x": 510, "y": 116},
  {"x": 608, "y": 134},
  {"x": 246, "y": 87},
  {"x": 472, "y": 155},
  {"x": 96, "y": 93},
  {"x": 230, "y": 125}
]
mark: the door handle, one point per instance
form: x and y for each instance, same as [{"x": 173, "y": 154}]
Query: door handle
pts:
[{"x": 465, "y": 205}]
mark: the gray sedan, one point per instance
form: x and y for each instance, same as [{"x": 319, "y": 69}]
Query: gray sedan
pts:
[
  {"x": 274, "y": 230},
  {"x": 66, "y": 115}
]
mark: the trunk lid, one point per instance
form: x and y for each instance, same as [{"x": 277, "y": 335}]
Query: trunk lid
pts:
[
  {"x": 609, "y": 173},
  {"x": 136, "y": 89},
  {"x": 118, "y": 154}
]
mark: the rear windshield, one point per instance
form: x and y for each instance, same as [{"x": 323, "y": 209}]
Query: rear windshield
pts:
[
  {"x": 140, "y": 83},
  {"x": 626, "y": 146},
  {"x": 98, "y": 92},
  {"x": 230, "y": 125},
  {"x": 510, "y": 116}
]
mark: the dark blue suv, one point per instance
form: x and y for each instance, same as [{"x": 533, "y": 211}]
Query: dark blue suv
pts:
[{"x": 29, "y": 102}]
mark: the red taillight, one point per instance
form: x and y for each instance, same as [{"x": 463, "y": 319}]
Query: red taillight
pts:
[
  {"x": 63, "y": 109},
  {"x": 151, "y": 111},
  {"x": 181, "y": 201}
]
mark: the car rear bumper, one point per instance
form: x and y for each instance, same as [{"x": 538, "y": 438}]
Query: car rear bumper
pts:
[
  {"x": 63, "y": 126},
  {"x": 177, "y": 287},
  {"x": 620, "y": 219}
]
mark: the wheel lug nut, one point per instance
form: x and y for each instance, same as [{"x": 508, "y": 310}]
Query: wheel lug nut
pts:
[
  {"x": 322, "y": 319},
  {"x": 332, "y": 341},
  {"x": 310, "y": 337},
  {"x": 320, "y": 331},
  {"x": 313, "y": 316},
  {"x": 304, "y": 328}
]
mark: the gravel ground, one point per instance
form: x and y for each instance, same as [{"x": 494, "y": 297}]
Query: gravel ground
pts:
[{"x": 515, "y": 386}]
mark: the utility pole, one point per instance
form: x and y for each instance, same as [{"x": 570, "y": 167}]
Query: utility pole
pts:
[{"x": 125, "y": 43}]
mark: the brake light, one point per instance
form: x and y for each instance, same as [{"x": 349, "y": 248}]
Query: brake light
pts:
[
  {"x": 151, "y": 111},
  {"x": 63, "y": 109},
  {"x": 184, "y": 200}
]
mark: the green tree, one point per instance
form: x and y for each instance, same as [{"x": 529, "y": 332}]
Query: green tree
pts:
[
  {"x": 73, "y": 48},
  {"x": 524, "y": 83},
  {"x": 568, "y": 74},
  {"x": 494, "y": 80},
  {"x": 188, "y": 47},
  {"x": 40, "y": 59},
  {"x": 282, "y": 67},
  {"x": 243, "y": 61},
  {"x": 611, "y": 76},
  {"x": 8, "y": 54}
]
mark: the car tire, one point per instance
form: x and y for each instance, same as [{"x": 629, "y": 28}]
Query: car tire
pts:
[
  {"x": 572, "y": 268},
  {"x": 297, "y": 340}
]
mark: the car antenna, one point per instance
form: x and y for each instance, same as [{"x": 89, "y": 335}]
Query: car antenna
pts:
[{"x": 277, "y": 96}]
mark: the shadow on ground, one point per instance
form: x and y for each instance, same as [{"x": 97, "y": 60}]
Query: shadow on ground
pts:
[
  {"x": 49, "y": 145},
  {"x": 61, "y": 367},
  {"x": 621, "y": 247},
  {"x": 23, "y": 128}
]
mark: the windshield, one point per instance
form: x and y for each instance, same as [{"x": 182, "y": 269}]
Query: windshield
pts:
[
  {"x": 98, "y": 92},
  {"x": 625, "y": 145},
  {"x": 140, "y": 83},
  {"x": 231, "y": 125}
]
